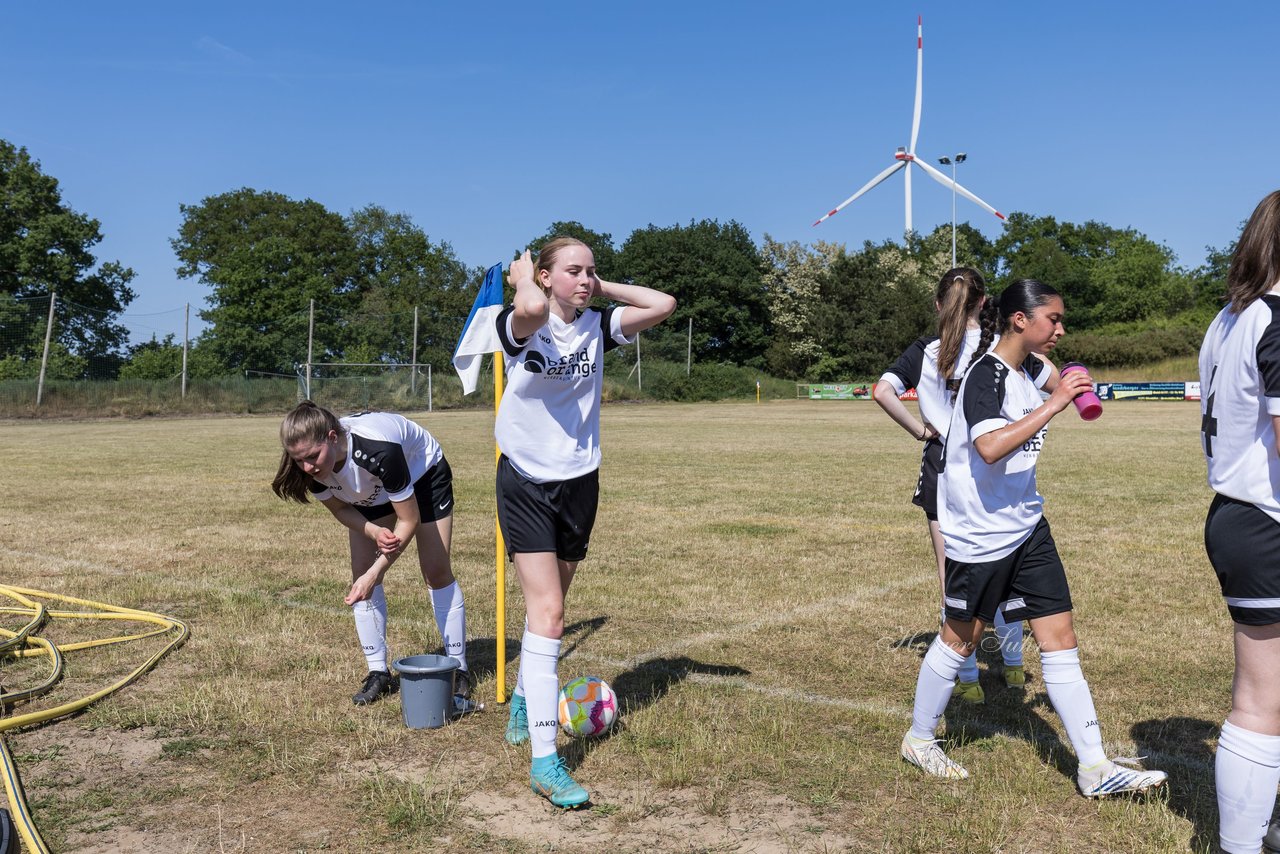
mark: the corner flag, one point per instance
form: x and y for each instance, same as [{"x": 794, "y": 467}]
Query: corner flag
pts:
[{"x": 479, "y": 333}]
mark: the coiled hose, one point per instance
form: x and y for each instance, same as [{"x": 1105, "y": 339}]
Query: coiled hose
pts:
[{"x": 26, "y": 643}]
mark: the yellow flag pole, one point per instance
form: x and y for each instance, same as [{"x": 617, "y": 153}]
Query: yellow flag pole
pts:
[{"x": 500, "y": 554}]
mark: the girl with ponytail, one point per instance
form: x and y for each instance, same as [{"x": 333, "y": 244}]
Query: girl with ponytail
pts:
[
  {"x": 1000, "y": 553},
  {"x": 933, "y": 366}
]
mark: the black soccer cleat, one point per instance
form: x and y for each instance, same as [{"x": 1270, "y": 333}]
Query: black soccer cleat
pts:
[
  {"x": 464, "y": 684},
  {"x": 1271, "y": 842},
  {"x": 378, "y": 684}
]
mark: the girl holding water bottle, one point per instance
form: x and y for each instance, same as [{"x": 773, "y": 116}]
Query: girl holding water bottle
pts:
[
  {"x": 933, "y": 366},
  {"x": 1000, "y": 553}
]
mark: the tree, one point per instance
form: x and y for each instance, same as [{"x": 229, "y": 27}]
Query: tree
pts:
[
  {"x": 399, "y": 268},
  {"x": 876, "y": 302},
  {"x": 265, "y": 256},
  {"x": 792, "y": 279},
  {"x": 1105, "y": 274},
  {"x": 713, "y": 271},
  {"x": 601, "y": 244},
  {"x": 153, "y": 360},
  {"x": 45, "y": 246}
]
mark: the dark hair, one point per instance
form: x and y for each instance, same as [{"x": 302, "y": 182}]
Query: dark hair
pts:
[
  {"x": 1255, "y": 265},
  {"x": 1024, "y": 295},
  {"x": 306, "y": 422},
  {"x": 959, "y": 294}
]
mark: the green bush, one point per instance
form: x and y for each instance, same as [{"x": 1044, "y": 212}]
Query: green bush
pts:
[{"x": 1131, "y": 349}]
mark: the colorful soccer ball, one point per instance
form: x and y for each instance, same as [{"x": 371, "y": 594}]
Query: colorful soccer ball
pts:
[{"x": 588, "y": 707}]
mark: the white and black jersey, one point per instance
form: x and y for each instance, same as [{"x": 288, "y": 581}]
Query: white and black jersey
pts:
[
  {"x": 386, "y": 455},
  {"x": 987, "y": 511},
  {"x": 917, "y": 368},
  {"x": 1239, "y": 393},
  {"x": 548, "y": 424}
]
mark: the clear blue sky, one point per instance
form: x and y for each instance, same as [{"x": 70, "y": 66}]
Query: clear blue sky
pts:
[{"x": 486, "y": 122}]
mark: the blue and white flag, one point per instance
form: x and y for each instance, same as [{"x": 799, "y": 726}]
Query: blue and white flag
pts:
[{"x": 480, "y": 333}]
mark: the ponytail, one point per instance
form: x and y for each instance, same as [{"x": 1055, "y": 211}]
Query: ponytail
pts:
[{"x": 959, "y": 295}]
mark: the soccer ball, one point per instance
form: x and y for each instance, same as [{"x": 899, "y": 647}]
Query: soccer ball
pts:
[{"x": 588, "y": 707}]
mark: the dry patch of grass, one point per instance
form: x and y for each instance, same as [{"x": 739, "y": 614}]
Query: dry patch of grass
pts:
[{"x": 759, "y": 593}]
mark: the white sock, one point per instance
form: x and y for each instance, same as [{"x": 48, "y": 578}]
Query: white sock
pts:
[
  {"x": 538, "y": 659},
  {"x": 451, "y": 619},
  {"x": 1010, "y": 637},
  {"x": 519, "y": 689},
  {"x": 1069, "y": 693},
  {"x": 933, "y": 688},
  {"x": 371, "y": 628},
  {"x": 1246, "y": 771}
]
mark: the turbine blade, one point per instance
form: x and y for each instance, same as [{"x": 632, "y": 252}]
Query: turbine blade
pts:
[
  {"x": 947, "y": 182},
  {"x": 915, "y": 117},
  {"x": 867, "y": 186}
]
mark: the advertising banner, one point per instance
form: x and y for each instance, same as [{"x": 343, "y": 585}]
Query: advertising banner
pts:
[
  {"x": 1142, "y": 391},
  {"x": 839, "y": 391}
]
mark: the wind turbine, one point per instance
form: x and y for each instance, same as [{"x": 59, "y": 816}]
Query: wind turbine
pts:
[{"x": 905, "y": 158}]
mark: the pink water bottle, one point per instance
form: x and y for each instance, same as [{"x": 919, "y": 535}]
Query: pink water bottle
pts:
[{"x": 1087, "y": 402}]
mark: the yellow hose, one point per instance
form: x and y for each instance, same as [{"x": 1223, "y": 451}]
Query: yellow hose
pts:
[{"x": 25, "y": 643}]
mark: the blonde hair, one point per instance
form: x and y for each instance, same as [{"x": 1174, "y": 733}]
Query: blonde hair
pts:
[
  {"x": 306, "y": 422},
  {"x": 959, "y": 295},
  {"x": 547, "y": 254}
]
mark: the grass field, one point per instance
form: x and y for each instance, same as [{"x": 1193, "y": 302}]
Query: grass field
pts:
[{"x": 759, "y": 593}]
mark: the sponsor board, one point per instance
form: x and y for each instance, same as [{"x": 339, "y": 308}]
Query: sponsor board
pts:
[
  {"x": 1142, "y": 391},
  {"x": 839, "y": 391}
]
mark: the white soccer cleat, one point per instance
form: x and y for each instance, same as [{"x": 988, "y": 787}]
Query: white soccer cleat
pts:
[
  {"x": 1109, "y": 778},
  {"x": 929, "y": 757}
]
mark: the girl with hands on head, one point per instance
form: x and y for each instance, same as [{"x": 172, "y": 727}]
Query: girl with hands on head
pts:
[
  {"x": 548, "y": 432},
  {"x": 386, "y": 480}
]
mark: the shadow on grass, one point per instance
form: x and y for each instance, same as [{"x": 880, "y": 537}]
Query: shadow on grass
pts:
[
  {"x": 643, "y": 686},
  {"x": 1183, "y": 747},
  {"x": 482, "y": 653}
]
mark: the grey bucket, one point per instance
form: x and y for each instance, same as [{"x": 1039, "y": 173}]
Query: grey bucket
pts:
[{"x": 426, "y": 689}]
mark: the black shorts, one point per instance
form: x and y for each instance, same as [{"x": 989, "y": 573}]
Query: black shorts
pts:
[
  {"x": 547, "y": 517},
  {"x": 434, "y": 491},
  {"x": 1028, "y": 583},
  {"x": 926, "y": 496},
  {"x": 1244, "y": 547}
]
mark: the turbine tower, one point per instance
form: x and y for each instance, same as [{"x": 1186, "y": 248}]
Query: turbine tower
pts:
[{"x": 905, "y": 158}]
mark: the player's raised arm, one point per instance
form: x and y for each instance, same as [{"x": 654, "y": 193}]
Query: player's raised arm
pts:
[{"x": 646, "y": 307}]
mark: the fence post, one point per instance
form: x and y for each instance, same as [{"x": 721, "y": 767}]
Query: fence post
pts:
[
  {"x": 311, "y": 329},
  {"x": 430, "y": 389},
  {"x": 688, "y": 359},
  {"x": 186, "y": 338},
  {"x": 413, "y": 371},
  {"x": 44, "y": 360}
]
